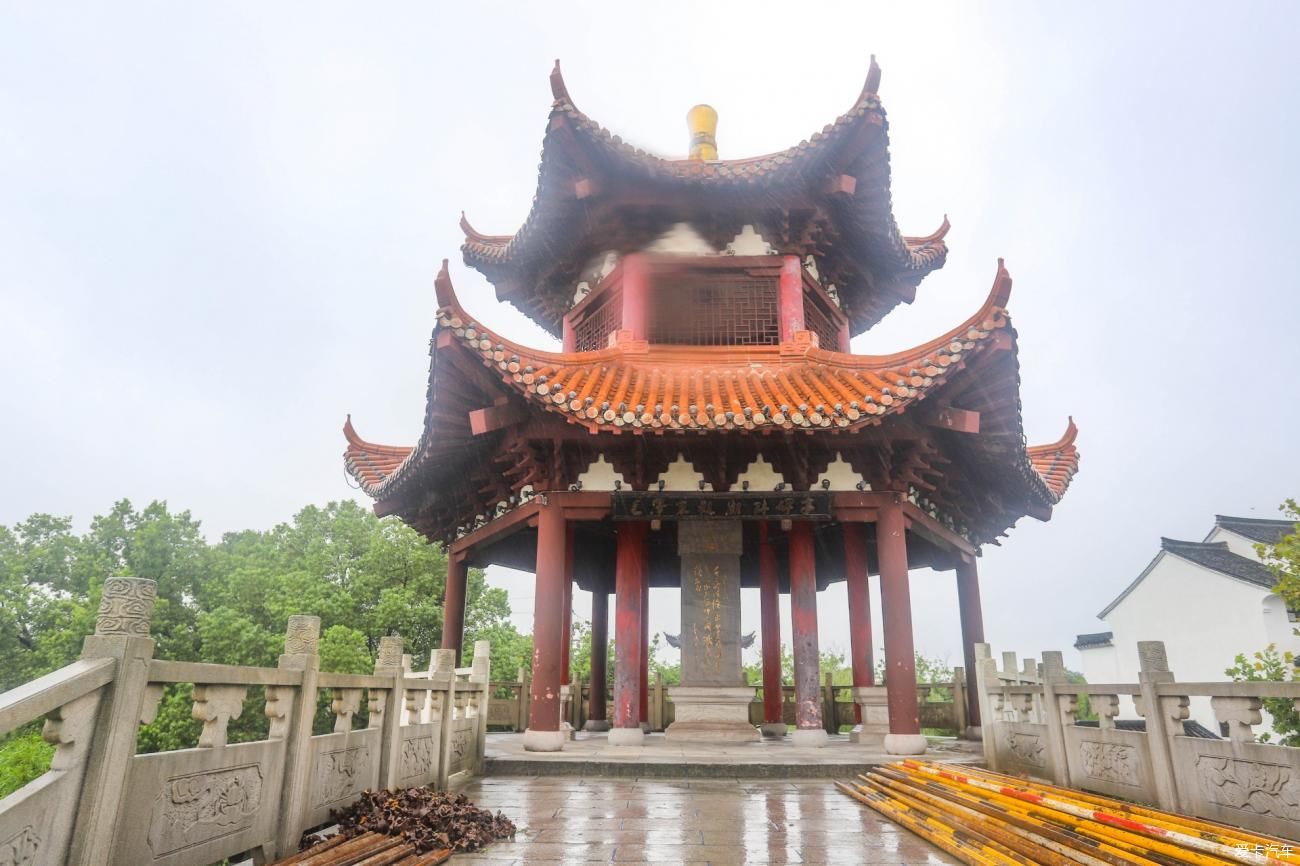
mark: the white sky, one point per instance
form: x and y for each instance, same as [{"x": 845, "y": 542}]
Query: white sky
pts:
[{"x": 220, "y": 223}]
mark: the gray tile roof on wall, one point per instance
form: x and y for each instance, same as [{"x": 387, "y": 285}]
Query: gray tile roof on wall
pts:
[
  {"x": 1217, "y": 557},
  {"x": 1096, "y": 639},
  {"x": 1256, "y": 528}
]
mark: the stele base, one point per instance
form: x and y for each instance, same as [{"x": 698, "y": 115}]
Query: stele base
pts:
[
  {"x": 626, "y": 736},
  {"x": 711, "y": 714},
  {"x": 906, "y": 744},
  {"x": 809, "y": 737}
]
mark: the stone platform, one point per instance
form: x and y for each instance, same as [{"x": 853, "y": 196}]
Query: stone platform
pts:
[{"x": 591, "y": 755}]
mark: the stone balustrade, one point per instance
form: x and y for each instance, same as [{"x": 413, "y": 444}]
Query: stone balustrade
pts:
[
  {"x": 102, "y": 803},
  {"x": 1031, "y": 729}
]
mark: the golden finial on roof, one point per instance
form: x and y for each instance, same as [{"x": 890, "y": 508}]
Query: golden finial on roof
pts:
[{"x": 702, "y": 121}]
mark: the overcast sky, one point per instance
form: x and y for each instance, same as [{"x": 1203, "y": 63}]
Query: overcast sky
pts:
[{"x": 220, "y": 224}]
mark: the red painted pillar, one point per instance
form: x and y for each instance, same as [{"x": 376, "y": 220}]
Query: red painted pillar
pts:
[
  {"x": 599, "y": 653},
  {"x": 855, "y": 572},
  {"x": 770, "y": 623},
  {"x": 569, "y": 336},
  {"x": 548, "y": 620},
  {"x": 636, "y": 295},
  {"x": 972, "y": 631},
  {"x": 803, "y": 619},
  {"x": 844, "y": 337},
  {"x": 453, "y": 606},
  {"x": 629, "y": 574},
  {"x": 644, "y": 673},
  {"x": 566, "y": 629},
  {"x": 896, "y": 604},
  {"x": 790, "y": 297}
]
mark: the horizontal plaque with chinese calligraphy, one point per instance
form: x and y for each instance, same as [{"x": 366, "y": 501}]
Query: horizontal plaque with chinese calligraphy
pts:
[{"x": 796, "y": 505}]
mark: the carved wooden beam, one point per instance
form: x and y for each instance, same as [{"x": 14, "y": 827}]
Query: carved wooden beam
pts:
[
  {"x": 503, "y": 413},
  {"x": 952, "y": 418}
]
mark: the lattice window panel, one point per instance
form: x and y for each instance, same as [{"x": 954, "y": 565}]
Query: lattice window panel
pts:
[
  {"x": 717, "y": 309},
  {"x": 820, "y": 323},
  {"x": 597, "y": 324}
]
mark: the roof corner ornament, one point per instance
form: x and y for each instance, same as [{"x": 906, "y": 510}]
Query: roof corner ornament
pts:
[
  {"x": 442, "y": 287},
  {"x": 558, "y": 89},
  {"x": 872, "y": 85},
  {"x": 702, "y": 121},
  {"x": 1001, "y": 285}
]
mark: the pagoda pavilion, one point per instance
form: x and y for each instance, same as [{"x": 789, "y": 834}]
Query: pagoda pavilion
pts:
[{"x": 706, "y": 426}]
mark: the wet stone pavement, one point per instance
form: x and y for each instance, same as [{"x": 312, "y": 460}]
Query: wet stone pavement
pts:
[{"x": 713, "y": 821}]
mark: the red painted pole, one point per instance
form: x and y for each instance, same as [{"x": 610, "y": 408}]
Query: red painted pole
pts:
[
  {"x": 790, "y": 297},
  {"x": 453, "y": 606},
  {"x": 770, "y": 599},
  {"x": 972, "y": 631},
  {"x": 636, "y": 290},
  {"x": 644, "y": 673},
  {"x": 566, "y": 629},
  {"x": 548, "y": 601},
  {"x": 896, "y": 605},
  {"x": 629, "y": 574},
  {"x": 855, "y": 572},
  {"x": 803, "y": 620},
  {"x": 599, "y": 654}
]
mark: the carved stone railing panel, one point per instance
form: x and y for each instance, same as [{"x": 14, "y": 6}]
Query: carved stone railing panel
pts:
[
  {"x": 1240, "y": 783},
  {"x": 1110, "y": 761}
]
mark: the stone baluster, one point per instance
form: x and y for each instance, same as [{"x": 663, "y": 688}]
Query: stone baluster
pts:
[
  {"x": 215, "y": 706},
  {"x": 122, "y": 634},
  {"x": 293, "y": 715},
  {"x": 1240, "y": 714},
  {"x": 1107, "y": 708},
  {"x": 1164, "y": 716},
  {"x": 385, "y": 712}
]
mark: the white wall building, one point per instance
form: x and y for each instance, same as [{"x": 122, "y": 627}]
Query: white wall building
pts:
[{"x": 1208, "y": 601}]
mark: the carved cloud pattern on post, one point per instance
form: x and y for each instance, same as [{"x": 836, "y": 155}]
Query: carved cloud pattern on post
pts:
[{"x": 126, "y": 607}]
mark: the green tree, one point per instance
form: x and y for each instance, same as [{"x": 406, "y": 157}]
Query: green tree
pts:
[{"x": 1268, "y": 665}]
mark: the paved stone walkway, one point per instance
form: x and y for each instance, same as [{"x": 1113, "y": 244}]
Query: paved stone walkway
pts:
[{"x": 709, "y": 821}]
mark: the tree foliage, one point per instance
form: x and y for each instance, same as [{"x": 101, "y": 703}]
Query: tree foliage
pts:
[{"x": 229, "y": 602}]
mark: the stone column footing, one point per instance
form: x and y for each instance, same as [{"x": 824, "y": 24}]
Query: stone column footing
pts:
[
  {"x": 544, "y": 741},
  {"x": 811, "y": 737},
  {"x": 626, "y": 736},
  {"x": 645, "y": 727},
  {"x": 568, "y": 731},
  {"x": 772, "y": 730},
  {"x": 596, "y": 725},
  {"x": 974, "y": 732},
  {"x": 906, "y": 744}
]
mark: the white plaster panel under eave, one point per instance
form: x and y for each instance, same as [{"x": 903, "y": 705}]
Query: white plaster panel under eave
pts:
[
  {"x": 760, "y": 474},
  {"x": 841, "y": 476},
  {"x": 681, "y": 240},
  {"x": 681, "y": 475},
  {"x": 600, "y": 475},
  {"x": 750, "y": 243}
]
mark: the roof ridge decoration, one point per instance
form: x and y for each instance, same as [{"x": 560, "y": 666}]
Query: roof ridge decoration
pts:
[
  {"x": 578, "y": 151},
  {"x": 642, "y": 389}
]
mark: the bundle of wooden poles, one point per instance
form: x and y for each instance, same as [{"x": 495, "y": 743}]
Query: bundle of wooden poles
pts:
[
  {"x": 368, "y": 849},
  {"x": 981, "y": 817}
]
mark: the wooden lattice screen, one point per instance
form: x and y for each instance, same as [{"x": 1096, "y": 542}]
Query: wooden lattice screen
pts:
[
  {"x": 593, "y": 331},
  {"x": 820, "y": 322},
  {"x": 715, "y": 309}
]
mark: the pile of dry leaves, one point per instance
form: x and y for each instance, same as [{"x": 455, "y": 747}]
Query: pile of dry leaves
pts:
[{"x": 427, "y": 819}]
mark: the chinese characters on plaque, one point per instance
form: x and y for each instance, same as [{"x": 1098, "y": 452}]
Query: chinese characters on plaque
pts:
[{"x": 797, "y": 505}]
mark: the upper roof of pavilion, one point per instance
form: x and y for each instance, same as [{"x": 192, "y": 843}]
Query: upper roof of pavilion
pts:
[
  {"x": 827, "y": 196},
  {"x": 640, "y": 388}
]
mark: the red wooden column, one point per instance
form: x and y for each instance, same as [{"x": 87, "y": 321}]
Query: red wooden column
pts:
[
  {"x": 636, "y": 296},
  {"x": 453, "y": 606},
  {"x": 566, "y": 626},
  {"x": 790, "y": 298},
  {"x": 769, "y": 595},
  {"x": 904, "y": 736},
  {"x": 544, "y": 734},
  {"x": 597, "y": 720},
  {"x": 629, "y": 575},
  {"x": 855, "y": 573},
  {"x": 644, "y": 673},
  {"x": 568, "y": 336},
  {"x": 972, "y": 632},
  {"x": 803, "y": 619}
]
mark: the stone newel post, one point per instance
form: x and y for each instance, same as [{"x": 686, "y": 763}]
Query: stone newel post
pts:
[
  {"x": 301, "y": 638},
  {"x": 387, "y": 707},
  {"x": 121, "y": 633}
]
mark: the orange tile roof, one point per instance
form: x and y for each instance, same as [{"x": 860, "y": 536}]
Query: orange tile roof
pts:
[
  {"x": 840, "y": 146},
  {"x": 682, "y": 390}
]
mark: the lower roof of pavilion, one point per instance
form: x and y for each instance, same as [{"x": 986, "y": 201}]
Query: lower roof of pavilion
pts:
[{"x": 940, "y": 424}]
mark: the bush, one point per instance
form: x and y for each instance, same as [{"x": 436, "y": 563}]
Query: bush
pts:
[{"x": 24, "y": 756}]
